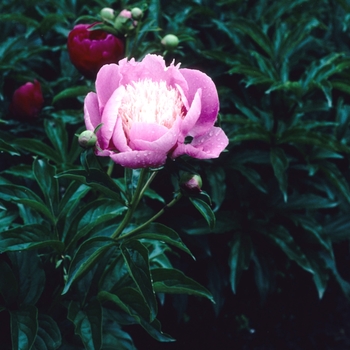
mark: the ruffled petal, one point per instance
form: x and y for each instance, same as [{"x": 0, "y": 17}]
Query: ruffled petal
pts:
[
  {"x": 192, "y": 116},
  {"x": 139, "y": 159},
  {"x": 140, "y": 139},
  {"x": 210, "y": 100},
  {"x": 119, "y": 139},
  {"x": 107, "y": 81},
  {"x": 206, "y": 146},
  {"x": 92, "y": 115},
  {"x": 110, "y": 116}
]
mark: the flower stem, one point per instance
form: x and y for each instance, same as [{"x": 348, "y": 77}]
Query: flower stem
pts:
[
  {"x": 139, "y": 192},
  {"x": 155, "y": 217}
]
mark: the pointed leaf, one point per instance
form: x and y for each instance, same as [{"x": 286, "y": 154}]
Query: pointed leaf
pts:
[
  {"x": 87, "y": 255},
  {"x": 160, "y": 232},
  {"x": 88, "y": 323},
  {"x": 95, "y": 178},
  {"x": 279, "y": 164},
  {"x": 205, "y": 210},
  {"x": 136, "y": 258},
  {"x": 239, "y": 259},
  {"x": 131, "y": 302},
  {"x": 24, "y": 327},
  {"x": 28, "y": 237},
  {"x": 49, "y": 335},
  {"x": 45, "y": 176},
  {"x": 176, "y": 282}
]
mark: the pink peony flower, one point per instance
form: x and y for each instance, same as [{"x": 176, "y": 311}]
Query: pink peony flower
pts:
[
  {"x": 27, "y": 101},
  {"x": 149, "y": 111},
  {"x": 90, "y": 49}
]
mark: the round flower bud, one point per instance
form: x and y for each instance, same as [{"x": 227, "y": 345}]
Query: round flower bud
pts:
[
  {"x": 136, "y": 13},
  {"x": 124, "y": 22},
  {"x": 191, "y": 183},
  {"x": 90, "y": 49},
  {"x": 27, "y": 101},
  {"x": 170, "y": 41},
  {"x": 107, "y": 14},
  {"x": 87, "y": 139}
]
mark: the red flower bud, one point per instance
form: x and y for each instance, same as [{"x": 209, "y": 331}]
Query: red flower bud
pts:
[
  {"x": 27, "y": 101},
  {"x": 90, "y": 49}
]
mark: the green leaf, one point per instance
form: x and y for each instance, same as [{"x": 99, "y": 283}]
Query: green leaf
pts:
[
  {"x": 24, "y": 195},
  {"x": 88, "y": 323},
  {"x": 176, "y": 282},
  {"x": 279, "y": 164},
  {"x": 239, "y": 259},
  {"x": 251, "y": 175},
  {"x": 37, "y": 147},
  {"x": 49, "y": 335},
  {"x": 5, "y": 147},
  {"x": 24, "y": 327},
  {"x": 45, "y": 176},
  {"x": 336, "y": 177},
  {"x": 96, "y": 179},
  {"x": 90, "y": 219},
  {"x": 312, "y": 138},
  {"x": 130, "y": 301},
  {"x": 205, "y": 210},
  {"x": 87, "y": 255},
  {"x": 159, "y": 232},
  {"x": 8, "y": 284},
  {"x": 115, "y": 338},
  {"x": 281, "y": 236},
  {"x": 28, "y": 237},
  {"x": 57, "y": 134},
  {"x": 72, "y": 92},
  {"x": 30, "y": 275},
  {"x": 216, "y": 178},
  {"x": 136, "y": 258},
  {"x": 253, "y": 132}
]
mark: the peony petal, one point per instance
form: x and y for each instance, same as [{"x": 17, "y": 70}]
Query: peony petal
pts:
[
  {"x": 147, "y": 132},
  {"x": 206, "y": 146},
  {"x": 151, "y": 67},
  {"x": 139, "y": 159},
  {"x": 92, "y": 115},
  {"x": 192, "y": 116},
  {"x": 210, "y": 100},
  {"x": 107, "y": 81},
  {"x": 110, "y": 116},
  {"x": 163, "y": 144},
  {"x": 119, "y": 139}
]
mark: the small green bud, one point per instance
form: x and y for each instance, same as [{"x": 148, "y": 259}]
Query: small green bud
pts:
[
  {"x": 170, "y": 41},
  {"x": 136, "y": 13},
  {"x": 107, "y": 14},
  {"x": 191, "y": 183},
  {"x": 87, "y": 139}
]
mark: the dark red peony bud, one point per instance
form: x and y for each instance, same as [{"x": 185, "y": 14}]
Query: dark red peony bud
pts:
[
  {"x": 27, "y": 101},
  {"x": 90, "y": 49}
]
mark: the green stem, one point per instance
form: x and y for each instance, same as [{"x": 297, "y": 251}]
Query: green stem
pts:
[
  {"x": 155, "y": 217},
  {"x": 134, "y": 203}
]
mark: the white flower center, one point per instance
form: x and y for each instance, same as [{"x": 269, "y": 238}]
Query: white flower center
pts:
[{"x": 150, "y": 102}]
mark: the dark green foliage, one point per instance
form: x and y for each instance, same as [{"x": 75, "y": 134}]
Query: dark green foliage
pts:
[{"x": 273, "y": 217}]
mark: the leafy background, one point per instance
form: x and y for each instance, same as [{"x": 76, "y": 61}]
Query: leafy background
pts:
[{"x": 277, "y": 261}]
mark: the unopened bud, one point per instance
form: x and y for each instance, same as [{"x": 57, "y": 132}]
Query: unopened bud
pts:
[
  {"x": 87, "y": 139},
  {"x": 191, "y": 183},
  {"x": 170, "y": 41},
  {"x": 136, "y": 13},
  {"x": 107, "y": 14}
]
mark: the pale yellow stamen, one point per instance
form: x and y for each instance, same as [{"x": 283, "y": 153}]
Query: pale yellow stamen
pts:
[{"x": 148, "y": 101}]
